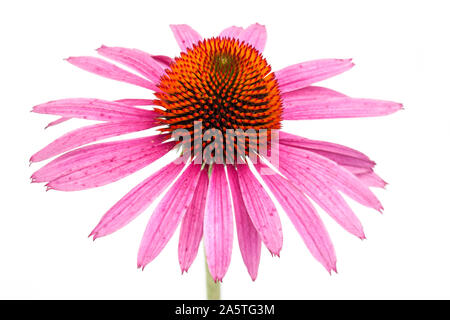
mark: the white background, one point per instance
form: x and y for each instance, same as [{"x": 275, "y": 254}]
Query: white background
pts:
[{"x": 401, "y": 51}]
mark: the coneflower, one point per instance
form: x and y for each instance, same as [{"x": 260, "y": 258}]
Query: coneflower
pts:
[{"x": 224, "y": 88}]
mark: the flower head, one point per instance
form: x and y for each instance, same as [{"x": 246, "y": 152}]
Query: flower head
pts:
[
  {"x": 218, "y": 90},
  {"x": 224, "y": 83}
]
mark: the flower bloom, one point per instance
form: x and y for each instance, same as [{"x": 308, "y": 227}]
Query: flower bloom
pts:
[{"x": 225, "y": 83}]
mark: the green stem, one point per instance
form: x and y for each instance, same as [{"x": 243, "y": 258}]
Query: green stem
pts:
[{"x": 212, "y": 288}]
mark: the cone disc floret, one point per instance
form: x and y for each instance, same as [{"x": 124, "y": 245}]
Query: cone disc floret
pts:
[{"x": 224, "y": 84}]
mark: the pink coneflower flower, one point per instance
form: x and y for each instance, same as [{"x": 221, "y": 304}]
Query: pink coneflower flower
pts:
[{"x": 224, "y": 83}]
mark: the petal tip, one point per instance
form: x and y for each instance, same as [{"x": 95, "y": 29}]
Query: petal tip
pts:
[
  {"x": 102, "y": 47},
  {"x": 259, "y": 25},
  {"x": 184, "y": 267},
  {"x": 141, "y": 265},
  {"x": 394, "y": 107},
  {"x": 331, "y": 268},
  {"x": 93, "y": 234},
  {"x": 174, "y": 26},
  {"x": 347, "y": 61},
  {"x": 71, "y": 60},
  {"x": 275, "y": 253}
]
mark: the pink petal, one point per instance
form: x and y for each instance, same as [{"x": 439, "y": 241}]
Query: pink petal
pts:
[
  {"x": 108, "y": 70},
  {"x": 191, "y": 232},
  {"x": 367, "y": 176},
  {"x": 261, "y": 210},
  {"x": 303, "y": 74},
  {"x": 304, "y": 217},
  {"x": 137, "y": 102},
  {"x": 340, "y": 154},
  {"x": 98, "y": 175},
  {"x": 354, "y": 161},
  {"x": 371, "y": 179},
  {"x": 320, "y": 192},
  {"x": 167, "y": 215},
  {"x": 76, "y": 159},
  {"x": 164, "y": 61},
  {"x": 136, "y": 201},
  {"x": 231, "y": 32},
  {"x": 310, "y": 93},
  {"x": 89, "y": 134},
  {"x": 218, "y": 224},
  {"x": 357, "y": 170},
  {"x": 340, "y": 107},
  {"x": 100, "y": 164},
  {"x": 94, "y": 109},
  {"x": 136, "y": 59},
  {"x": 185, "y": 36},
  {"x": 56, "y": 122},
  {"x": 249, "y": 239},
  {"x": 335, "y": 175},
  {"x": 255, "y": 35}
]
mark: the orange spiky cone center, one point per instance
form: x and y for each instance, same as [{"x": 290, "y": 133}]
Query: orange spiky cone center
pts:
[{"x": 225, "y": 84}]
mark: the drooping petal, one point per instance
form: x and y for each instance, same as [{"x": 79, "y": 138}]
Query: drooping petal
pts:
[
  {"x": 130, "y": 102},
  {"x": 353, "y": 160},
  {"x": 337, "y": 107},
  {"x": 110, "y": 71},
  {"x": 249, "y": 239},
  {"x": 256, "y": 35},
  {"x": 218, "y": 224},
  {"x": 167, "y": 215},
  {"x": 303, "y": 216},
  {"x": 338, "y": 153},
  {"x": 94, "y": 109},
  {"x": 136, "y": 201},
  {"x": 98, "y": 175},
  {"x": 88, "y": 134},
  {"x": 336, "y": 176},
  {"x": 191, "y": 232},
  {"x": 231, "y": 32},
  {"x": 318, "y": 103},
  {"x": 303, "y": 74},
  {"x": 320, "y": 192},
  {"x": 261, "y": 210},
  {"x": 136, "y": 59},
  {"x": 100, "y": 164},
  {"x": 185, "y": 36},
  {"x": 76, "y": 159}
]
